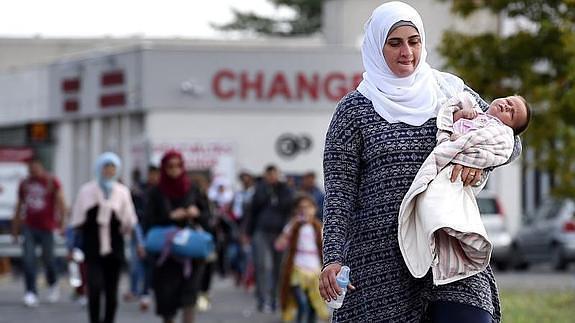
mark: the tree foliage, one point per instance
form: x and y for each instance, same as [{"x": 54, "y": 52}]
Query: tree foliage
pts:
[
  {"x": 537, "y": 62},
  {"x": 307, "y": 20}
]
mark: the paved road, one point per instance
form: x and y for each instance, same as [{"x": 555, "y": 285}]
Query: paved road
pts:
[
  {"x": 540, "y": 277},
  {"x": 229, "y": 305}
]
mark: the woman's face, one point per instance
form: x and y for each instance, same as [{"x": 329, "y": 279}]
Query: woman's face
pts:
[
  {"x": 174, "y": 167},
  {"x": 402, "y": 50},
  {"x": 109, "y": 171}
]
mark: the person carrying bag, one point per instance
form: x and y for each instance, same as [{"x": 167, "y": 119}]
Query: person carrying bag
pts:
[{"x": 174, "y": 220}]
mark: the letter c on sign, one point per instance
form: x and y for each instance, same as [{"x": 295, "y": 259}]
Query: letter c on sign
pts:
[{"x": 217, "y": 84}]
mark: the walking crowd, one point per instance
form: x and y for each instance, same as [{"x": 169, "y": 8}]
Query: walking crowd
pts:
[{"x": 266, "y": 236}]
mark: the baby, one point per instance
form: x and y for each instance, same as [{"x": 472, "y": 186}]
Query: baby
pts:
[{"x": 512, "y": 111}]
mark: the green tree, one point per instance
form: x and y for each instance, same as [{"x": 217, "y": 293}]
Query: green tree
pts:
[
  {"x": 307, "y": 20},
  {"x": 537, "y": 62}
]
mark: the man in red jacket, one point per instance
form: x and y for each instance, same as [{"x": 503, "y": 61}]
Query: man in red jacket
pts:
[{"x": 40, "y": 200}]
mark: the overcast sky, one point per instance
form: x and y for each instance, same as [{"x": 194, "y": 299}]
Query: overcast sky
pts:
[{"x": 120, "y": 18}]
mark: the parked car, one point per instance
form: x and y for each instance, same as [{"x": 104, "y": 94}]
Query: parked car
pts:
[
  {"x": 547, "y": 235},
  {"x": 493, "y": 219}
]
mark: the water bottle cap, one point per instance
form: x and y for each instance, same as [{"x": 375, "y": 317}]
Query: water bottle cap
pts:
[{"x": 343, "y": 277}]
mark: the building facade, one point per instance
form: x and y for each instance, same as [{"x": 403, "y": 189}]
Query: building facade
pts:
[{"x": 227, "y": 105}]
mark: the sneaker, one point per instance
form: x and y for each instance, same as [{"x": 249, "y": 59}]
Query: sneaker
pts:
[
  {"x": 82, "y": 300},
  {"x": 267, "y": 309},
  {"x": 30, "y": 299},
  {"x": 129, "y": 297},
  {"x": 203, "y": 303},
  {"x": 53, "y": 294},
  {"x": 144, "y": 303}
]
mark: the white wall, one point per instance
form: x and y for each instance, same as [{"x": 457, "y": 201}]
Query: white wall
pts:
[
  {"x": 253, "y": 132},
  {"x": 24, "y": 95}
]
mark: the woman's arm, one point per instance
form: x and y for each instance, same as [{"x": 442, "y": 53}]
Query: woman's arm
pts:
[
  {"x": 201, "y": 203},
  {"x": 156, "y": 212},
  {"x": 482, "y": 104},
  {"x": 342, "y": 156},
  {"x": 341, "y": 163}
]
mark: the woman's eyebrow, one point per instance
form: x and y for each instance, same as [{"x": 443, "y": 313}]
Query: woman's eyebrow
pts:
[{"x": 400, "y": 39}]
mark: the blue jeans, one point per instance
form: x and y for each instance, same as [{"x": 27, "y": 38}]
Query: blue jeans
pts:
[
  {"x": 305, "y": 312},
  {"x": 45, "y": 239},
  {"x": 139, "y": 282},
  {"x": 267, "y": 265}
]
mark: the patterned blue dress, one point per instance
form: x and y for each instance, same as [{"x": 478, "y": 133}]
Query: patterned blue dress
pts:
[{"x": 369, "y": 165}]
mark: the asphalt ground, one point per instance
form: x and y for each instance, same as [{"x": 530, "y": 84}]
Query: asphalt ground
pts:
[{"x": 229, "y": 304}]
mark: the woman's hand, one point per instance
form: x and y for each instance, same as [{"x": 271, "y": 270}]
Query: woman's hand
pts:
[
  {"x": 469, "y": 175},
  {"x": 192, "y": 212},
  {"x": 178, "y": 214},
  {"x": 328, "y": 287},
  {"x": 141, "y": 252}
]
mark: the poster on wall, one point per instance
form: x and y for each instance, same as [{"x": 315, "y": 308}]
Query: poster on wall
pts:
[
  {"x": 215, "y": 156},
  {"x": 13, "y": 169}
]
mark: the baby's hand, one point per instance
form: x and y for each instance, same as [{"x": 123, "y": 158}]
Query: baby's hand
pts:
[
  {"x": 466, "y": 100},
  {"x": 468, "y": 113},
  {"x": 454, "y": 136}
]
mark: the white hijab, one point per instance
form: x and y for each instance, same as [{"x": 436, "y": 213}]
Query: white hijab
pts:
[{"x": 413, "y": 99}]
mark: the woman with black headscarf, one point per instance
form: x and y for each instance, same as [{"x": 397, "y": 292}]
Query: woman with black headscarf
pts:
[{"x": 176, "y": 201}]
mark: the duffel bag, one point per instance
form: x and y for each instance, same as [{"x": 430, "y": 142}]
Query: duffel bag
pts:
[{"x": 183, "y": 242}]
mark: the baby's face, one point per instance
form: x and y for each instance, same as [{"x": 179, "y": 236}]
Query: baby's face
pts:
[{"x": 510, "y": 110}]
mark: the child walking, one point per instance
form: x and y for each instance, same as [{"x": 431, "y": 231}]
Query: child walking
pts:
[{"x": 299, "y": 285}]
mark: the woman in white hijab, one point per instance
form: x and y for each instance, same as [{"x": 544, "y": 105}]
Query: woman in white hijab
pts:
[
  {"x": 103, "y": 213},
  {"x": 378, "y": 138}
]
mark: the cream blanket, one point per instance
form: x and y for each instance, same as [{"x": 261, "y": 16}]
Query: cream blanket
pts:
[{"x": 439, "y": 221}]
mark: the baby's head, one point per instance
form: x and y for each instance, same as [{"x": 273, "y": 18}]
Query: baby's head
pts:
[{"x": 513, "y": 111}]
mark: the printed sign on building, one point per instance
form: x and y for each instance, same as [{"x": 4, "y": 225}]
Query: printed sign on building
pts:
[
  {"x": 13, "y": 169},
  {"x": 215, "y": 156}
]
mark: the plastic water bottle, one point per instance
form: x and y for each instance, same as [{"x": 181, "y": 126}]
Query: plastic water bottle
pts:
[
  {"x": 342, "y": 279},
  {"x": 74, "y": 268}
]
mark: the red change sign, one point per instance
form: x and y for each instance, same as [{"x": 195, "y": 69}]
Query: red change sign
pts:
[{"x": 228, "y": 84}]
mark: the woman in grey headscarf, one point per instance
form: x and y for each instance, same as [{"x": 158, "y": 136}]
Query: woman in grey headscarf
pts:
[
  {"x": 378, "y": 138},
  {"x": 102, "y": 214}
]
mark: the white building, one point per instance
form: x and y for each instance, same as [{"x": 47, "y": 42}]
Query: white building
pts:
[{"x": 228, "y": 105}]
